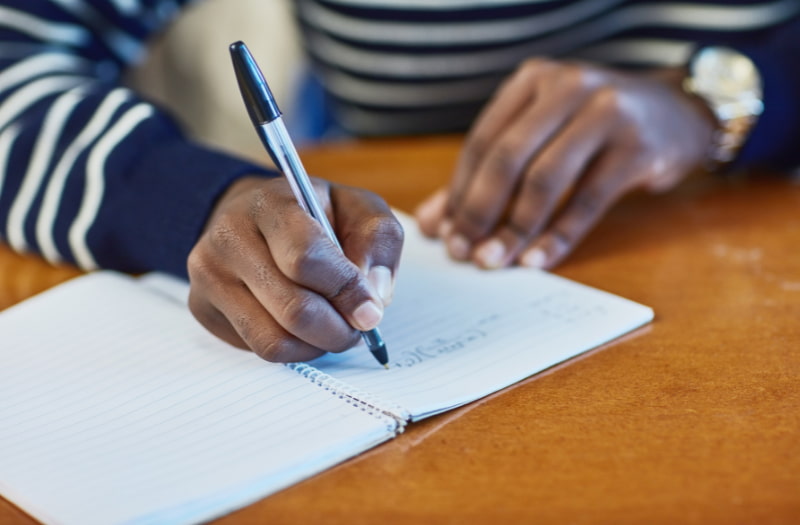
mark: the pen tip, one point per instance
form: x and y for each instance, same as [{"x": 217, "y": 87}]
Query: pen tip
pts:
[{"x": 386, "y": 366}]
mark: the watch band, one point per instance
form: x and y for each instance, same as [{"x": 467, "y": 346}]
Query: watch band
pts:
[{"x": 730, "y": 84}]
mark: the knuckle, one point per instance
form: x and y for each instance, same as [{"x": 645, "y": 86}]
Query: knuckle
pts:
[
  {"x": 199, "y": 309},
  {"x": 505, "y": 160},
  {"x": 607, "y": 100},
  {"x": 473, "y": 221},
  {"x": 298, "y": 312},
  {"x": 383, "y": 231},
  {"x": 351, "y": 286},
  {"x": 540, "y": 182},
  {"x": 263, "y": 341},
  {"x": 390, "y": 232},
  {"x": 263, "y": 275},
  {"x": 520, "y": 231},
  {"x": 590, "y": 202},
  {"x": 243, "y": 324},
  {"x": 223, "y": 234},
  {"x": 204, "y": 270},
  {"x": 274, "y": 349},
  {"x": 304, "y": 257},
  {"x": 196, "y": 265},
  {"x": 257, "y": 204},
  {"x": 572, "y": 77},
  {"x": 534, "y": 64},
  {"x": 476, "y": 147}
]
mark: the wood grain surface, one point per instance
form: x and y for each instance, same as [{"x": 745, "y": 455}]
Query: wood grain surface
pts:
[{"x": 693, "y": 419}]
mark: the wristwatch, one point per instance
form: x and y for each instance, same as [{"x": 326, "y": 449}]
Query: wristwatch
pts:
[{"x": 730, "y": 84}]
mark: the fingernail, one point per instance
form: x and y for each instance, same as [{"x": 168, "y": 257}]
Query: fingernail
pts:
[
  {"x": 380, "y": 277},
  {"x": 534, "y": 258},
  {"x": 459, "y": 247},
  {"x": 367, "y": 316},
  {"x": 445, "y": 227},
  {"x": 491, "y": 253}
]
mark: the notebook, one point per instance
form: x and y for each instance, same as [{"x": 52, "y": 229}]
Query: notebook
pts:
[{"x": 116, "y": 406}]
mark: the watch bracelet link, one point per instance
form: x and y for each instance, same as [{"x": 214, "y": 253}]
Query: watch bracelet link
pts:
[
  {"x": 728, "y": 138},
  {"x": 735, "y": 113}
]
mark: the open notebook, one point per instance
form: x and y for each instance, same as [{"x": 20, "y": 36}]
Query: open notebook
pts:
[{"x": 117, "y": 407}]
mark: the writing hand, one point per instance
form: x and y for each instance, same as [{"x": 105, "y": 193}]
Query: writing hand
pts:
[
  {"x": 557, "y": 145},
  {"x": 264, "y": 276}
]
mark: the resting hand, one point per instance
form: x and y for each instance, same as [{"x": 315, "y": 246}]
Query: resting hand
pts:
[
  {"x": 554, "y": 149},
  {"x": 264, "y": 276}
]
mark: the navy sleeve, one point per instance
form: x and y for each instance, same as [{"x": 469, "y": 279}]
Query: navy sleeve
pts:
[
  {"x": 775, "y": 140},
  {"x": 90, "y": 173}
]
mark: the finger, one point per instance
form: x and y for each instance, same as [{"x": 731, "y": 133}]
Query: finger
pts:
[
  {"x": 301, "y": 311},
  {"x": 548, "y": 179},
  {"x": 431, "y": 212},
  {"x": 503, "y": 167},
  {"x": 612, "y": 175},
  {"x": 246, "y": 324},
  {"x": 234, "y": 250},
  {"x": 307, "y": 258},
  {"x": 370, "y": 235},
  {"x": 213, "y": 320},
  {"x": 513, "y": 96}
]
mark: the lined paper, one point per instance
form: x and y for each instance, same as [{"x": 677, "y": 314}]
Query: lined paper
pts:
[
  {"x": 117, "y": 407},
  {"x": 456, "y": 333}
]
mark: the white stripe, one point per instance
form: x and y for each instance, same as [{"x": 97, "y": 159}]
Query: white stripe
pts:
[
  {"x": 721, "y": 18},
  {"x": 95, "y": 183},
  {"x": 166, "y": 10},
  {"x": 127, "y": 7},
  {"x": 399, "y": 65},
  {"x": 400, "y": 95},
  {"x": 450, "y": 32},
  {"x": 55, "y": 187},
  {"x": 7, "y": 139},
  {"x": 52, "y": 32},
  {"x": 37, "y": 65},
  {"x": 639, "y": 51},
  {"x": 126, "y": 47},
  {"x": 41, "y": 157},
  {"x": 29, "y": 94}
]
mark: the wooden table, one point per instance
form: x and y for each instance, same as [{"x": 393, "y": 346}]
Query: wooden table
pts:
[{"x": 693, "y": 419}]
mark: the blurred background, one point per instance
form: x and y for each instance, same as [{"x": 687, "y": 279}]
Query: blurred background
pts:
[{"x": 188, "y": 68}]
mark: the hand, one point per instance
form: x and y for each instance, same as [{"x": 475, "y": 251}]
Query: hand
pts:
[
  {"x": 264, "y": 276},
  {"x": 557, "y": 145}
]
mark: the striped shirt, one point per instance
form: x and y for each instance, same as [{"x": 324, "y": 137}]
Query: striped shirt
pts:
[
  {"x": 417, "y": 66},
  {"x": 93, "y": 175}
]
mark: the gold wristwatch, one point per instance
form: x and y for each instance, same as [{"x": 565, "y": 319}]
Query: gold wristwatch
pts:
[{"x": 730, "y": 84}]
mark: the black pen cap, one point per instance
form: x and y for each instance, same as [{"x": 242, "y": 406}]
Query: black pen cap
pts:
[{"x": 257, "y": 96}]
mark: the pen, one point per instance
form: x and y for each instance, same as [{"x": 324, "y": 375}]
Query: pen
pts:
[{"x": 266, "y": 118}]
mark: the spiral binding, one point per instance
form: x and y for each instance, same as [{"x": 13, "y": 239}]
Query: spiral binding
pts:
[{"x": 369, "y": 403}]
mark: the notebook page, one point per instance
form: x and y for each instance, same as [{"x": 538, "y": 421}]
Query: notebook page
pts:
[
  {"x": 117, "y": 407},
  {"x": 456, "y": 333}
]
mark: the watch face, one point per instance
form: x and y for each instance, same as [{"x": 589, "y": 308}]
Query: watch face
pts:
[
  {"x": 730, "y": 84},
  {"x": 724, "y": 73}
]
